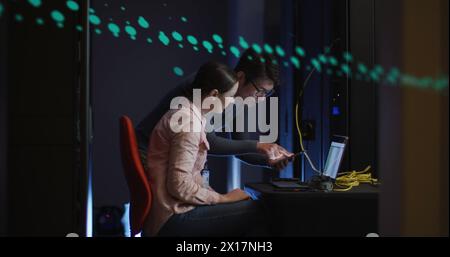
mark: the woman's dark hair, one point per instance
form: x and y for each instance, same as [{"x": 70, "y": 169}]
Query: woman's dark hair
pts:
[
  {"x": 259, "y": 66},
  {"x": 213, "y": 75}
]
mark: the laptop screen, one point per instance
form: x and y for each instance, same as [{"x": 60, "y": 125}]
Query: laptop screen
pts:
[{"x": 334, "y": 159}]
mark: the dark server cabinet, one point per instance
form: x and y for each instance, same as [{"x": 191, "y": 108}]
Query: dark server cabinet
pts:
[
  {"x": 331, "y": 102},
  {"x": 45, "y": 179}
]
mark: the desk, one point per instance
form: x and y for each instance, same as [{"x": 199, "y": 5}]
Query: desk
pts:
[{"x": 352, "y": 213}]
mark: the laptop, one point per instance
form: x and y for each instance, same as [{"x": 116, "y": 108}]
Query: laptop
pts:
[{"x": 332, "y": 165}]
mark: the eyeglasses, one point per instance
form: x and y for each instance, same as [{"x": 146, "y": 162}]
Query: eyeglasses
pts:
[{"x": 261, "y": 92}]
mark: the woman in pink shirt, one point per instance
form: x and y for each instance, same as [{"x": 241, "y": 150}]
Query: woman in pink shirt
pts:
[{"x": 183, "y": 205}]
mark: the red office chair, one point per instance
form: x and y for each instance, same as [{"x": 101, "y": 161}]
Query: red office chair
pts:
[{"x": 138, "y": 186}]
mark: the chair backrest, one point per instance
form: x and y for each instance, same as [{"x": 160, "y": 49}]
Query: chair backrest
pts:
[{"x": 138, "y": 186}]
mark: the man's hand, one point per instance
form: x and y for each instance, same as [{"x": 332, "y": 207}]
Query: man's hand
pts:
[{"x": 278, "y": 157}]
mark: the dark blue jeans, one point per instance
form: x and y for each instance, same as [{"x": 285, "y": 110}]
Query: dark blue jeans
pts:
[{"x": 245, "y": 218}]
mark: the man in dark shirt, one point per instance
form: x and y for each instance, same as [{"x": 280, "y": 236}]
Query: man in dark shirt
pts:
[{"x": 258, "y": 76}]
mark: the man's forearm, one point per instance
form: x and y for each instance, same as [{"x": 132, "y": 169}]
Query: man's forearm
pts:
[
  {"x": 244, "y": 150},
  {"x": 224, "y": 146}
]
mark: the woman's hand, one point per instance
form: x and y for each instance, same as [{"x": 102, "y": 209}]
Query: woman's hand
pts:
[{"x": 234, "y": 196}]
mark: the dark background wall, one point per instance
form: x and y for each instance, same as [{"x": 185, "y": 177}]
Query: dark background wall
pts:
[{"x": 3, "y": 125}]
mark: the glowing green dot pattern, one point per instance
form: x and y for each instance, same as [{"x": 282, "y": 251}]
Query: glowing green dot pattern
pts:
[
  {"x": 178, "y": 71},
  {"x": 72, "y": 5},
  {"x": 114, "y": 28},
  {"x": 163, "y": 38},
  {"x": 143, "y": 22},
  {"x": 177, "y": 36},
  {"x": 35, "y": 3},
  {"x": 322, "y": 62},
  {"x": 192, "y": 40},
  {"x": 94, "y": 19}
]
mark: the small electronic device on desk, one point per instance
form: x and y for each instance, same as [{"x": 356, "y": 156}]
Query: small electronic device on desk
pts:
[{"x": 324, "y": 180}]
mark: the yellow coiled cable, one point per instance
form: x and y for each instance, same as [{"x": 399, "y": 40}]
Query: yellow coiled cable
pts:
[{"x": 347, "y": 180}]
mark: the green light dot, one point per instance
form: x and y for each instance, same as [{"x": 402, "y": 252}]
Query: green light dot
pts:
[
  {"x": 268, "y": 49},
  {"x": 149, "y": 40},
  {"x": 295, "y": 61},
  {"x": 57, "y": 16},
  {"x": 235, "y": 51},
  {"x": 115, "y": 30},
  {"x": 1, "y": 9},
  {"x": 218, "y": 39},
  {"x": 79, "y": 28},
  {"x": 60, "y": 25},
  {"x": 280, "y": 51},
  {"x": 374, "y": 76},
  {"x": 40, "y": 21},
  {"x": 224, "y": 53},
  {"x": 35, "y": 3},
  {"x": 257, "y": 48},
  {"x": 333, "y": 61},
  {"x": 346, "y": 69},
  {"x": 184, "y": 19},
  {"x": 426, "y": 82},
  {"x": 348, "y": 56},
  {"x": 72, "y": 5},
  {"x": 180, "y": 45},
  {"x": 243, "y": 43},
  {"x": 192, "y": 40},
  {"x": 208, "y": 46},
  {"x": 177, "y": 36},
  {"x": 379, "y": 69},
  {"x": 196, "y": 49},
  {"x": 300, "y": 51},
  {"x": 178, "y": 71},
  {"x": 441, "y": 84},
  {"x": 130, "y": 30},
  {"x": 322, "y": 59},
  {"x": 94, "y": 19},
  {"x": 98, "y": 31},
  {"x": 123, "y": 8},
  {"x": 143, "y": 22},
  {"x": 362, "y": 68},
  {"x": 163, "y": 38},
  {"x": 91, "y": 10},
  {"x": 286, "y": 64},
  {"x": 316, "y": 65},
  {"x": 18, "y": 17}
]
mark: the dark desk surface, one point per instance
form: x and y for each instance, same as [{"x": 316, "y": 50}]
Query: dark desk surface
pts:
[
  {"x": 351, "y": 213},
  {"x": 267, "y": 190}
]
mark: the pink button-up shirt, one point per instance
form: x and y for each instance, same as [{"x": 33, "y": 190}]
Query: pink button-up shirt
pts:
[{"x": 175, "y": 160}]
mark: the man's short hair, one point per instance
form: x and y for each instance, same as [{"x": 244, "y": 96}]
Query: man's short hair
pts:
[{"x": 259, "y": 66}]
